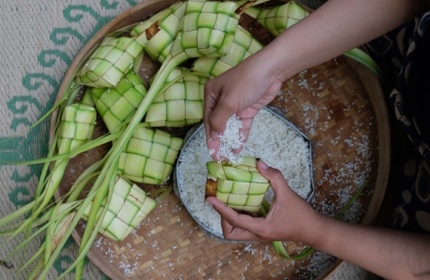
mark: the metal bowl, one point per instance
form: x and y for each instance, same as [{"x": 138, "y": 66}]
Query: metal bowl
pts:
[{"x": 208, "y": 225}]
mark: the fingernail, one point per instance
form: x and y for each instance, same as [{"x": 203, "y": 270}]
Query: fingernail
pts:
[
  {"x": 214, "y": 135},
  {"x": 208, "y": 202}
]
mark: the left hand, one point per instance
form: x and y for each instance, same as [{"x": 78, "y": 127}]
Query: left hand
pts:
[{"x": 242, "y": 91}]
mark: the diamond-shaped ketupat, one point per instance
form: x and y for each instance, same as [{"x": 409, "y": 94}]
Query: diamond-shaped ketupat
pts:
[
  {"x": 109, "y": 63},
  {"x": 127, "y": 208},
  {"x": 180, "y": 103},
  {"x": 240, "y": 185},
  {"x": 117, "y": 105},
  {"x": 149, "y": 156}
]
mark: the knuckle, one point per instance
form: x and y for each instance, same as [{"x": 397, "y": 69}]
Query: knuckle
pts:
[
  {"x": 264, "y": 232},
  {"x": 277, "y": 177}
]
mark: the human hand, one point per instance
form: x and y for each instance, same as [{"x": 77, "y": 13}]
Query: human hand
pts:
[
  {"x": 290, "y": 216},
  {"x": 242, "y": 91}
]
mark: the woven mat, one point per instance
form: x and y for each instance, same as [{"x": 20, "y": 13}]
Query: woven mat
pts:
[{"x": 39, "y": 41}]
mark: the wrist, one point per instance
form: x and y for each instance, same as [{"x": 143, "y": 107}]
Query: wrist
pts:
[
  {"x": 314, "y": 233},
  {"x": 280, "y": 60}
]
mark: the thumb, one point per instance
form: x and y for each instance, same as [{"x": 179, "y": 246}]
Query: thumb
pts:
[{"x": 277, "y": 181}]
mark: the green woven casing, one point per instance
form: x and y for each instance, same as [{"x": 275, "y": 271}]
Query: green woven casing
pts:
[
  {"x": 149, "y": 156},
  {"x": 207, "y": 29},
  {"x": 127, "y": 209},
  {"x": 181, "y": 103},
  {"x": 279, "y": 18},
  {"x": 117, "y": 105},
  {"x": 158, "y": 45},
  {"x": 244, "y": 45},
  {"x": 239, "y": 185},
  {"x": 109, "y": 62},
  {"x": 77, "y": 126}
]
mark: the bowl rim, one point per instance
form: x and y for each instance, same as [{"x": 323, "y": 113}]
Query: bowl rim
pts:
[{"x": 196, "y": 129}]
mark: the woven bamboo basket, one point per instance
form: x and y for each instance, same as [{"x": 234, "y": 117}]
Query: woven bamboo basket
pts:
[{"x": 339, "y": 105}]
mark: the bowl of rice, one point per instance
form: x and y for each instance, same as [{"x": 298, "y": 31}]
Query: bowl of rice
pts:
[{"x": 272, "y": 138}]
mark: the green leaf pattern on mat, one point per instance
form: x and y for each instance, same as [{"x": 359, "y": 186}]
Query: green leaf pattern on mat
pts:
[{"x": 41, "y": 90}]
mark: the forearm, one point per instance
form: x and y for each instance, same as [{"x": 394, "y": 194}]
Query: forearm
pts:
[
  {"x": 335, "y": 27},
  {"x": 388, "y": 253}
]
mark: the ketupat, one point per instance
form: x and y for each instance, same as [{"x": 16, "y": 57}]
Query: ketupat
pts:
[
  {"x": 277, "y": 19},
  {"x": 207, "y": 29},
  {"x": 149, "y": 156},
  {"x": 110, "y": 62},
  {"x": 181, "y": 103},
  {"x": 77, "y": 123},
  {"x": 128, "y": 207},
  {"x": 75, "y": 129},
  {"x": 158, "y": 34},
  {"x": 239, "y": 185},
  {"x": 244, "y": 45},
  {"x": 117, "y": 105}
]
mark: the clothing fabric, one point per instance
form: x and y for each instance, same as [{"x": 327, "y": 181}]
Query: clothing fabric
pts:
[{"x": 404, "y": 56}]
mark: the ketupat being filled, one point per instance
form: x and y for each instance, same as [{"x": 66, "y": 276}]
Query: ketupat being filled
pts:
[{"x": 239, "y": 185}]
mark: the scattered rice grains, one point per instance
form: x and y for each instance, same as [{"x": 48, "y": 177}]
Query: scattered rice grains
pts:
[{"x": 193, "y": 166}]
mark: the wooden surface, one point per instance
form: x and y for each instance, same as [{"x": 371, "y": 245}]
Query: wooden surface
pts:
[{"x": 338, "y": 105}]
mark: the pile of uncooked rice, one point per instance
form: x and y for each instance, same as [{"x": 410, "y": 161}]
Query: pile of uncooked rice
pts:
[
  {"x": 231, "y": 140},
  {"x": 271, "y": 139}
]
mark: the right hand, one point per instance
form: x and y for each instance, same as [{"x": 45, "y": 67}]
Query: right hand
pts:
[
  {"x": 290, "y": 216},
  {"x": 243, "y": 90}
]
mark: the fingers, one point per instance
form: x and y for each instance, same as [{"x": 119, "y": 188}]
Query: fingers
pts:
[
  {"x": 215, "y": 117},
  {"x": 235, "y": 233},
  {"x": 244, "y": 227},
  {"x": 244, "y": 131},
  {"x": 210, "y": 101},
  {"x": 235, "y": 226},
  {"x": 214, "y": 128}
]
